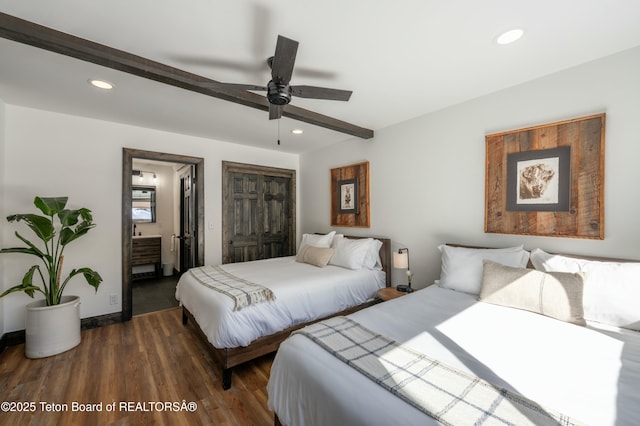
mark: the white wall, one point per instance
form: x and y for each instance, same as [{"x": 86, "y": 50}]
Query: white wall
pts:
[
  {"x": 52, "y": 154},
  {"x": 427, "y": 174},
  {"x": 2, "y": 209}
]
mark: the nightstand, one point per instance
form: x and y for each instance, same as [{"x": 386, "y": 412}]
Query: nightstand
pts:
[{"x": 389, "y": 293}]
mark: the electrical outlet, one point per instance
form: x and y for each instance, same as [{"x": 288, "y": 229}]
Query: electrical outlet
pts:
[{"x": 113, "y": 299}]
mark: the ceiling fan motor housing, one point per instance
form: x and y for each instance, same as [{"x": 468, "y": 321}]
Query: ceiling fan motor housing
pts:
[{"x": 278, "y": 94}]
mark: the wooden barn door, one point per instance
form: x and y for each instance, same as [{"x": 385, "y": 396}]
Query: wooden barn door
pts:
[{"x": 258, "y": 212}]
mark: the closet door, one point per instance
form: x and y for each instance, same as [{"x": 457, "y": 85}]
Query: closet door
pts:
[
  {"x": 258, "y": 219},
  {"x": 274, "y": 239}
]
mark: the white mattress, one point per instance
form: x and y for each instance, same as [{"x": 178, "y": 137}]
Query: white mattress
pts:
[
  {"x": 303, "y": 293},
  {"x": 589, "y": 373}
]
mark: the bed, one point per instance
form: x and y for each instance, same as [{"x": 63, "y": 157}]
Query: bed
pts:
[
  {"x": 330, "y": 275},
  {"x": 574, "y": 363}
]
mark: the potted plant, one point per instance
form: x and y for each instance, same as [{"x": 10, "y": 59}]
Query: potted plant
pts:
[{"x": 52, "y": 324}]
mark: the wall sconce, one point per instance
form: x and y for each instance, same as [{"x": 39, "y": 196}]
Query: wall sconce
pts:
[
  {"x": 401, "y": 261},
  {"x": 140, "y": 174}
]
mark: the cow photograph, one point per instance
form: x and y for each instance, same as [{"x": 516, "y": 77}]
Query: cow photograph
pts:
[{"x": 538, "y": 181}]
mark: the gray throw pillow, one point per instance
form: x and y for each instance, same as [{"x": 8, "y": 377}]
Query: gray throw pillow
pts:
[{"x": 554, "y": 294}]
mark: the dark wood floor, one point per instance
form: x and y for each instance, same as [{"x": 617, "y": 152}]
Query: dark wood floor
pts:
[{"x": 137, "y": 365}]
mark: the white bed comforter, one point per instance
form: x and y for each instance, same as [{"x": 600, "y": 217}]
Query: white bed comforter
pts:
[
  {"x": 589, "y": 373},
  {"x": 303, "y": 293}
]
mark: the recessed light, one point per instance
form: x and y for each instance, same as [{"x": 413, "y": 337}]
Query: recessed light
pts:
[
  {"x": 101, "y": 84},
  {"x": 297, "y": 131},
  {"x": 510, "y": 36}
]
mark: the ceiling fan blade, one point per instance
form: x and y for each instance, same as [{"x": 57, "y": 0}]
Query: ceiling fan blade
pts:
[
  {"x": 220, "y": 85},
  {"x": 275, "y": 111},
  {"x": 283, "y": 60},
  {"x": 321, "y": 93},
  {"x": 226, "y": 64},
  {"x": 246, "y": 86}
]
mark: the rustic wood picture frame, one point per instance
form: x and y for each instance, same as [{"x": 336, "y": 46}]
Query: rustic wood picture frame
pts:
[
  {"x": 356, "y": 214},
  {"x": 584, "y": 217}
]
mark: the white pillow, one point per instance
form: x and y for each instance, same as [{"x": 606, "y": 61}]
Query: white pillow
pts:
[
  {"x": 317, "y": 240},
  {"x": 350, "y": 253},
  {"x": 372, "y": 259},
  {"x": 461, "y": 267},
  {"x": 611, "y": 289},
  {"x": 336, "y": 238}
]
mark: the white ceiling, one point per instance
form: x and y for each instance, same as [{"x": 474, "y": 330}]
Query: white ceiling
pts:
[{"x": 401, "y": 58}]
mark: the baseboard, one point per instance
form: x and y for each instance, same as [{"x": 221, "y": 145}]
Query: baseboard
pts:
[
  {"x": 10, "y": 339},
  {"x": 18, "y": 337},
  {"x": 100, "y": 321}
]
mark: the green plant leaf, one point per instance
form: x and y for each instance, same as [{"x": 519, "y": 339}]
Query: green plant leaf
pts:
[
  {"x": 67, "y": 234},
  {"x": 23, "y": 250},
  {"x": 50, "y": 205},
  {"x": 40, "y": 225},
  {"x": 32, "y": 249},
  {"x": 26, "y": 285},
  {"x": 86, "y": 214},
  {"x": 92, "y": 277},
  {"x": 29, "y": 289},
  {"x": 68, "y": 217}
]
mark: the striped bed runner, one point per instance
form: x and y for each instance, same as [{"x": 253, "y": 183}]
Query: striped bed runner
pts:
[
  {"x": 446, "y": 394},
  {"x": 244, "y": 293}
]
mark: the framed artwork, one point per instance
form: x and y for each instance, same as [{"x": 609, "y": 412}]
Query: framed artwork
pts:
[
  {"x": 547, "y": 180},
  {"x": 350, "y": 195},
  {"x": 539, "y": 180}
]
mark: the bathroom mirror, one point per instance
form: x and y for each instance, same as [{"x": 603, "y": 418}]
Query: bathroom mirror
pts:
[{"x": 143, "y": 202}]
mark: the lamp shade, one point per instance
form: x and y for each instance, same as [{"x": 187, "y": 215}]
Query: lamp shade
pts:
[{"x": 401, "y": 260}]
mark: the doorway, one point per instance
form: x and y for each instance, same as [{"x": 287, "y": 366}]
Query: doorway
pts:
[{"x": 191, "y": 221}]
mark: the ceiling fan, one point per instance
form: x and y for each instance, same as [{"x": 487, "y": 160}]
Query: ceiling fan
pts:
[{"x": 279, "y": 91}]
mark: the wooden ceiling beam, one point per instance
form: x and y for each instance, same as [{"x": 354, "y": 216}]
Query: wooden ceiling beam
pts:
[{"x": 46, "y": 38}]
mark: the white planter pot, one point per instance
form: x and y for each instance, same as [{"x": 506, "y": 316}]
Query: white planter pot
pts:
[{"x": 51, "y": 330}]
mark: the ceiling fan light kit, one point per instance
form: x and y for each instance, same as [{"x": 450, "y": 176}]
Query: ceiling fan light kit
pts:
[{"x": 278, "y": 94}]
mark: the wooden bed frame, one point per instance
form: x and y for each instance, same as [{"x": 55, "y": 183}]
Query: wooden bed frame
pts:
[{"x": 231, "y": 357}]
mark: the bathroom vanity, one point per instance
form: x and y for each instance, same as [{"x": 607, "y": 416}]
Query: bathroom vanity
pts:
[{"x": 146, "y": 250}]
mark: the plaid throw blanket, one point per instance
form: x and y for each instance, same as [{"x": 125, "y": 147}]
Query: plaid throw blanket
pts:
[
  {"x": 448, "y": 395},
  {"x": 244, "y": 293}
]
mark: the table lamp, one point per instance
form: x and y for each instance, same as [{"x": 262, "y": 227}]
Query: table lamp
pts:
[{"x": 401, "y": 261}]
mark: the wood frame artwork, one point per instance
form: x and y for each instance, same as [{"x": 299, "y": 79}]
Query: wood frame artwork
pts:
[
  {"x": 350, "y": 195},
  {"x": 547, "y": 180}
]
